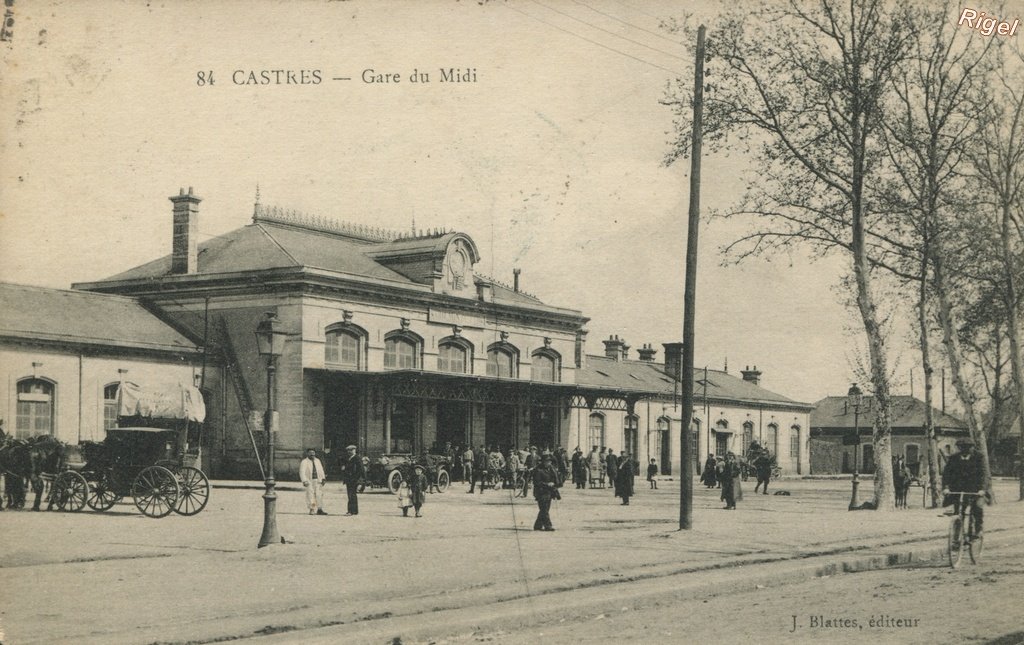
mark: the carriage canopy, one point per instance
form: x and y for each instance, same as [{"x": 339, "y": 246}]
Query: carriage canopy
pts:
[{"x": 178, "y": 401}]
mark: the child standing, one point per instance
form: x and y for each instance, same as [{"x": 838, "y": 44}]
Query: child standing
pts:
[
  {"x": 418, "y": 488},
  {"x": 652, "y": 470}
]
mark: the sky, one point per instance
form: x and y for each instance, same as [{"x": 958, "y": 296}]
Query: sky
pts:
[{"x": 551, "y": 160}]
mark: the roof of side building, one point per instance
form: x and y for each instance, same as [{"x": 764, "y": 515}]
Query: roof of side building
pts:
[
  {"x": 651, "y": 377},
  {"x": 33, "y": 313},
  {"x": 907, "y": 412}
]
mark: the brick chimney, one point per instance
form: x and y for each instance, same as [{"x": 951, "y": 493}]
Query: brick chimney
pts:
[
  {"x": 515, "y": 279},
  {"x": 647, "y": 353},
  {"x": 185, "y": 241},
  {"x": 752, "y": 375},
  {"x": 673, "y": 359},
  {"x": 613, "y": 347},
  {"x": 581, "y": 348}
]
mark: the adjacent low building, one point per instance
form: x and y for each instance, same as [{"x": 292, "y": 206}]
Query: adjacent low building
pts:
[
  {"x": 64, "y": 353},
  {"x": 833, "y": 420}
]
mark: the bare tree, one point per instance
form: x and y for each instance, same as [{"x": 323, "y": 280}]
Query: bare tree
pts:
[
  {"x": 999, "y": 164},
  {"x": 801, "y": 86},
  {"x": 931, "y": 126}
]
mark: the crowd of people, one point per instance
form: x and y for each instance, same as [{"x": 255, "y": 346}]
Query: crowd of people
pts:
[
  {"x": 727, "y": 472},
  {"x": 488, "y": 467}
]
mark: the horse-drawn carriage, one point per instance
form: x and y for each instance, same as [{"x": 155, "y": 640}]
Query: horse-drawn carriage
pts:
[
  {"x": 390, "y": 470},
  {"x": 154, "y": 460}
]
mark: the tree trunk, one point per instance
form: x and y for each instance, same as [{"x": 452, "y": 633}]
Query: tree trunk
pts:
[
  {"x": 931, "y": 442},
  {"x": 951, "y": 341},
  {"x": 1013, "y": 331}
]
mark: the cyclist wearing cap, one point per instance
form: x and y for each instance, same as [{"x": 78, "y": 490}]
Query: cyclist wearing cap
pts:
[{"x": 963, "y": 474}]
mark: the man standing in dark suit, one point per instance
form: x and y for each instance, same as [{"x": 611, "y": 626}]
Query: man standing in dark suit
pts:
[
  {"x": 351, "y": 474},
  {"x": 545, "y": 489},
  {"x": 611, "y": 468}
]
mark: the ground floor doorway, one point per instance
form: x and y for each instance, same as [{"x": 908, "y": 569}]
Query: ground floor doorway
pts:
[
  {"x": 452, "y": 424},
  {"x": 404, "y": 421},
  {"x": 665, "y": 450},
  {"x": 543, "y": 430},
  {"x": 500, "y": 426},
  {"x": 342, "y": 413}
]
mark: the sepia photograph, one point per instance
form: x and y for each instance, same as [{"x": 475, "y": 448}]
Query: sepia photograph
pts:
[{"x": 498, "y": 321}]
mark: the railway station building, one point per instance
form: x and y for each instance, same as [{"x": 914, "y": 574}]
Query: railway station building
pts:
[{"x": 398, "y": 344}]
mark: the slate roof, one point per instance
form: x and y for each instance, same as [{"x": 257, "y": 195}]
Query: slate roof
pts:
[
  {"x": 644, "y": 376},
  {"x": 907, "y": 412},
  {"x": 59, "y": 315},
  {"x": 266, "y": 245}
]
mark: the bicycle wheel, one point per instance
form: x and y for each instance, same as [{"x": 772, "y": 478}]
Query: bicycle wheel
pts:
[
  {"x": 976, "y": 544},
  {"x": 956, "y": 552}
]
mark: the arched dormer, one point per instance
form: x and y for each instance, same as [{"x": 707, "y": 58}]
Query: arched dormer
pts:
[
  {"x": 442, "y": 260},
  {"x": 503, "y": 360},
  {"x": 345, "y": 346},
  {"x": 546, "y": 365},
  {"x": 403, "y": 350},
  {"x": 455, "y": 355}
]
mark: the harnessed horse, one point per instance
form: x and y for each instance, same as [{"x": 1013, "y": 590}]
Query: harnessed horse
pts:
[{"x": 31, "y": 461}]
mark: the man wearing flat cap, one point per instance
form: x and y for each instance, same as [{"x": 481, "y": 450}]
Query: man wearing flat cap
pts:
[
  {"x": 964, "y": 474},
  {"x": 545, "y": 489},
  {"x": 351, "y": 474}
]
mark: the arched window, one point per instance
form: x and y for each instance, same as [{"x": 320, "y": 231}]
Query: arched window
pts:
[
  {"x": 400, "y": 350},
  {"x": 110, "y": 405},
  {"x": 502, "y": 360},
  {"x": 454, "y": 355},
  {"x": 630, "y": 439},
  {"x": 662, "y": 449},
  {"x": 35, "y": 408},
  {"x": 794, "y": 442},
  {"x": 345, "y": 346},
  {"x": 771, "y": 442},
  {"x": 342, "y": 349},
  {"x": 748, "y": 436},
  {"x": 546, "y": 364},
  {"x": 595, "y": 429}
]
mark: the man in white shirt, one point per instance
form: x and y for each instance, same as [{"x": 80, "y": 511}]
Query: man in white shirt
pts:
[{"x": 312, "y": 474}]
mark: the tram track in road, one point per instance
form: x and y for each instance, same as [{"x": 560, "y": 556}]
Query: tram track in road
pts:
[{"x": 552, "y": 599}]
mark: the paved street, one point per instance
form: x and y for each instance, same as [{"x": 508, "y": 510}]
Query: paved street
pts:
[{"x": 472, "y": 567}]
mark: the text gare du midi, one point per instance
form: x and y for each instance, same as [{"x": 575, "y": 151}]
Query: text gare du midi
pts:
[{"x": 369, "y": 76}]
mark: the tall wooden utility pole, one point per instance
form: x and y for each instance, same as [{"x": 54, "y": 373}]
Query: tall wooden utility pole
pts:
[{"x": 690, "y": 294}]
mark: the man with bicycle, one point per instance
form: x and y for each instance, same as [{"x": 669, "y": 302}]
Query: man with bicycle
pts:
[{"x": 963, "y": 474}]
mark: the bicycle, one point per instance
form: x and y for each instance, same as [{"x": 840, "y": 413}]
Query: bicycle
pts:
[
  {"x": 959, "y": 539},
  {"x": 523, "y": 479}
]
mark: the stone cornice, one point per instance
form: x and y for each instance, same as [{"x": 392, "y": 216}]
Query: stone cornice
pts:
[{"x": 298, "y": 280}]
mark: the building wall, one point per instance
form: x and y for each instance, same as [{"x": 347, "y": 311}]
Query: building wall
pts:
[
  {"x": 726, "y": 420},
  {"x": 432, "y": 324},
  {"x": 829, "y": 455},
  {"x": 79, "y": 381}
]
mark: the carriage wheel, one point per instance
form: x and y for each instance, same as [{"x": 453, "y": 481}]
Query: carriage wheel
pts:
[
  {"x": 155, "y": 491},
  {"x": 394, "y": 481},
  {"x": 70, "y": 491},
  {"x": 194, "y": 493},
  {"x": 443, "y": 480},
  {"x": 101, "y": 496}
]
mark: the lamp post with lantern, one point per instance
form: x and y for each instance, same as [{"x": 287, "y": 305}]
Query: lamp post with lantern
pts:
[
  {"x": 270, "y": 342},
  {"x": 854, "y": 397}
]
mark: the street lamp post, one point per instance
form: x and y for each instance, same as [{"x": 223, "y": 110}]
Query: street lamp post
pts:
[
  {"x": 270, "y": 342},
  {"x": 854, "y": 397}
]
